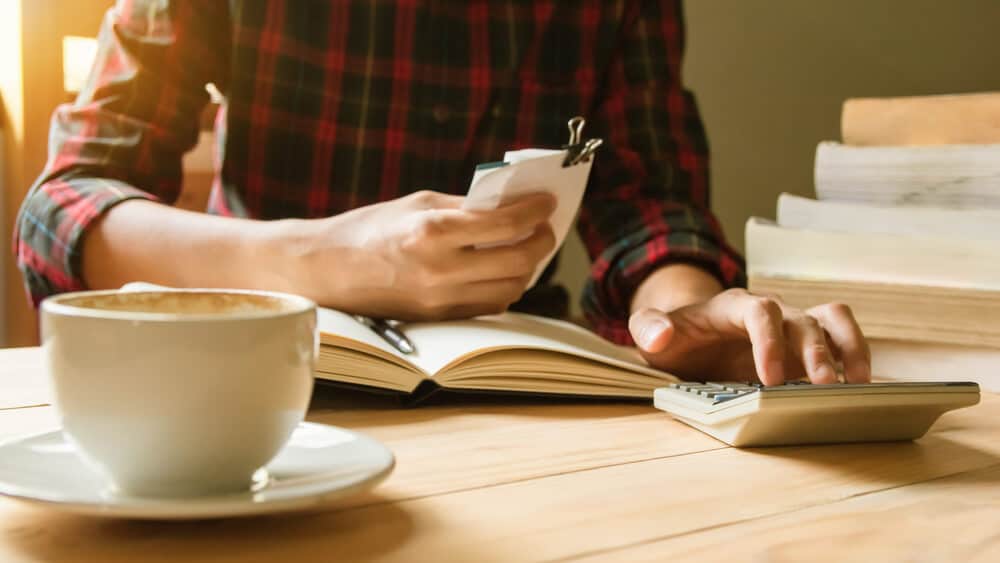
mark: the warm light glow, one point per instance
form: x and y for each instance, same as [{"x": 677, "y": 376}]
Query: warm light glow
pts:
[
  {"x": 78, "y": 57},
  {"x": 11, "y": 94}
]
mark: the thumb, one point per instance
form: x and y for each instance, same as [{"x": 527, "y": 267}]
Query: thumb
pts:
[{"x": 651, "y": 329}]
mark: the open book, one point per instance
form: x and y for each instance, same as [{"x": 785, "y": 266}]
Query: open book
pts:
[{"x": 510, "y": 352}]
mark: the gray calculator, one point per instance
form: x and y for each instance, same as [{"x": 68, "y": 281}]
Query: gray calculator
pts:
[{"x": 748, "y": 414}]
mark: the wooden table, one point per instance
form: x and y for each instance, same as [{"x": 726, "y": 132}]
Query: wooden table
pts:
[{"x": 502, "y": 480}]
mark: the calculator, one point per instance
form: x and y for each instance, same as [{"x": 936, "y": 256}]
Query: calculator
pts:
[{"x": 751, "y": 414}]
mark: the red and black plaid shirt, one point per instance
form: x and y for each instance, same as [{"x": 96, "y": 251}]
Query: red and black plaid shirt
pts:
[{"x": 335, "y": 104}]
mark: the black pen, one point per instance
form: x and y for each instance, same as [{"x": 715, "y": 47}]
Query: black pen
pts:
[{"x": 389, "y": 333}]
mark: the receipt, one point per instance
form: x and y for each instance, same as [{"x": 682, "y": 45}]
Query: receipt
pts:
[{"x": 531, "y": 171}]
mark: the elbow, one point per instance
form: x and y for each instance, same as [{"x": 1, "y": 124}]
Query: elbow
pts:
[{"x": 40, "y": 256}]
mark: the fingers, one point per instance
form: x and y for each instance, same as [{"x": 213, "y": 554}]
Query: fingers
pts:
[
  {"x": 720, "y": 338},
  {"x": 473, "y": 299},
  {"x": 846, "y": 336},
  {"x": 708, "y": 328},
  {"x": 458, "y": 227},
  {"x": 807, "y": 342},
  {"x": 761, "y": 318},
  {"x": 515, "y": 260},
  {"x": 814, "y": 339},
  {"x": 447, "y": 283}
]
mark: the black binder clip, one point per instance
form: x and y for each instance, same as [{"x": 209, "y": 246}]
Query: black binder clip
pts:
[{"x": 577, "y": 150}]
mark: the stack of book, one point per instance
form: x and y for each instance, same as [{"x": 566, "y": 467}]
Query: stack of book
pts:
[{"x": 905, "y": 227}]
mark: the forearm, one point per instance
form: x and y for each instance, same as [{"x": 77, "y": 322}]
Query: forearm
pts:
[
  {"x": 405, "y": 259},
  {"x": 143, "y": 240},
  {"x": 674, "y": 286}
]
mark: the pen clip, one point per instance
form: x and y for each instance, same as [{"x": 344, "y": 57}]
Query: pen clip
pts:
[{"x": 391, "y": 334}]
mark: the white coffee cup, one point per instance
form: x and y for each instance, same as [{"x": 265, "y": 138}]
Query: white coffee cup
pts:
[{"x": 179, "y": 392}]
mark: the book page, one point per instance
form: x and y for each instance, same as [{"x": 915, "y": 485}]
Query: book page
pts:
[
  {"x": 954, "y": 176},
  {"x": 442, "y": 344},
  {"x": 910, "y": 220},
  {"x": 340, "y": 329},
  {"x": 815, "y": 255}
]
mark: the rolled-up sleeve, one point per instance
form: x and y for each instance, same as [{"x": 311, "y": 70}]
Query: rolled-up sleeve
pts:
[
  {"x": 647, "y": 204},
  {"x": 125, "y": 135}
]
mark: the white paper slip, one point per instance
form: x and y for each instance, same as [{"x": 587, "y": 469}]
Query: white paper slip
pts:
[{"x": 531, "y": 171}]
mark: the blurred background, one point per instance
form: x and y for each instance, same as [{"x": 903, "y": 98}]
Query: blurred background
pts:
[{"x": 770, "y": 78}]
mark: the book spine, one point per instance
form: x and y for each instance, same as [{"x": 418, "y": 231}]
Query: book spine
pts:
[{"x": 424, "y": 391}]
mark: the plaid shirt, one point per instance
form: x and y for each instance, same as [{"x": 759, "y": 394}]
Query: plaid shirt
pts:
[{"x": 335, "y": 104}]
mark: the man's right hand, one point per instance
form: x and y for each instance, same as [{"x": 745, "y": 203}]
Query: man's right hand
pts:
[{"x": 415, "y": 258}]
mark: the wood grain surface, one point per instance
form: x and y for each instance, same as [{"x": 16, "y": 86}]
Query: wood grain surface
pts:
[{"x": 494, "y": 479}]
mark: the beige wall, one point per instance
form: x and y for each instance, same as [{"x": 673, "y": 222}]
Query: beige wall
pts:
[{"x": 770, "y": 77}]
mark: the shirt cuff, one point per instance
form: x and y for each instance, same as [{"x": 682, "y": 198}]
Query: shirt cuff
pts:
[
  {"x": 622, "y": 267},
  {"x": 51, "y": 225}
]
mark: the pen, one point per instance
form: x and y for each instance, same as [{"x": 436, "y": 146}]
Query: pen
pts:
[{"x": 389, "y": 333}]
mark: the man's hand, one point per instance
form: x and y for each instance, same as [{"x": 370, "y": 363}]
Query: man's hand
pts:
[
  {"x": 414, "y": 258},
  {"x": 682, "y": 328}
]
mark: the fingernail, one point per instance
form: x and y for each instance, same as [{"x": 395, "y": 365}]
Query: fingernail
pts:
[
  {"x": 652, "y": 331},
  {"x": 774, "y": 369},
  {"x": 866, "y": 372},
  {"x": 826, "y": 373}
]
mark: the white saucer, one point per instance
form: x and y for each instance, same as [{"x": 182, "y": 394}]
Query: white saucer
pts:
[{"x": 320, "y": 463}]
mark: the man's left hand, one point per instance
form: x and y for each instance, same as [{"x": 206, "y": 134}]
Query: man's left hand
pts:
[{"x": 735, "y": 335}]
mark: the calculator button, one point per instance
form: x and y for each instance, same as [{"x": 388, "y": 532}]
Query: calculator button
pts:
[{"x": 727, "y": 396}]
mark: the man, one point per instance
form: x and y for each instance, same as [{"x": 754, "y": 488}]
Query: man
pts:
[{"x": 337, "y": 114}]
